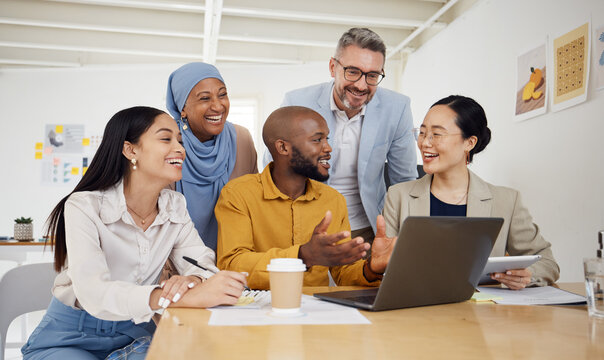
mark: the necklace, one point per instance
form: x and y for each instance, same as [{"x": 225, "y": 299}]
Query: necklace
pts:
[
  {"x": 461, "y": 199},
  {"x": 143, "y": 219},
  {"x": 464, "y": 195},
  {"x": 458, "y": 202}
]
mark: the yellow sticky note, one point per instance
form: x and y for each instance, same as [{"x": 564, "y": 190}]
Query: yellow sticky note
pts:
[
  {"x": 84, "y": 169},
  {"x": 482, "y": 297},
  {"x": 38, "y": 155},
  {"x": 59, "y": 129},
  {"x": 39, "y": 145},
  {"x": 86, "y": 142},
  {"x": 75, "y": 171}
]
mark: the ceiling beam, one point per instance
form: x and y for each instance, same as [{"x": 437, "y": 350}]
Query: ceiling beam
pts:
[
  {"x": 259, "y": 60},
  {"x": 38, "y": 63},
  {"x": 278, "y": 41},
  {"x": 136, "y": 4},
  {"x": 322, "y": 18},
  {"x": 110, "y": 29},
  {"x": 275, "y": 14},
  {"x": 103, "y": 50},
  {"x": 187, "y": 56},
  {"x": 211, "y": 31},
  {"x": 420, "y": 29}
]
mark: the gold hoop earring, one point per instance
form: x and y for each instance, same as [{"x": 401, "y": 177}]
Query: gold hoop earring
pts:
[{"x": 133, "y": 161}]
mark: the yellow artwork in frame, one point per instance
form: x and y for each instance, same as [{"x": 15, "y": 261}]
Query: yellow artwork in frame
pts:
[{"x": 571, "y": 67}]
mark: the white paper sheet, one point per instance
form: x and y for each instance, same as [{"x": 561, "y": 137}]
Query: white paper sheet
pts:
[
  {"x": 313, "y": 312},
  {"x": 546, "y": 295}
]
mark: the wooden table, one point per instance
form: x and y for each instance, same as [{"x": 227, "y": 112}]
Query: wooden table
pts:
[
  {"x": 465, "y": 330},
  {"x": 21, "y": 243}
]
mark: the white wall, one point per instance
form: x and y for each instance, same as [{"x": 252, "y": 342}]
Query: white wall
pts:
[
  {"x": 556, "y": 160},
  {"x": 29, "y": 99}
]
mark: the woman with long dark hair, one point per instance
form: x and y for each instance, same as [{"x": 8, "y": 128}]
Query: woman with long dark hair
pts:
[
  {"x": 112, "y": 236},
  {"x": 453, "y": 131}
]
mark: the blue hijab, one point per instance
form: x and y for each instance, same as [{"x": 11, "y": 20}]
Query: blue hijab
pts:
[{"x": 208, "y": 165}]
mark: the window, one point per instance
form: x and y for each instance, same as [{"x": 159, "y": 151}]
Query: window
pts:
[{"x": 244, "y": 112}]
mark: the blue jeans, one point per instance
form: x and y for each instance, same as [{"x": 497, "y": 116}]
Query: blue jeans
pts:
[{"x": 66, "y": 333}]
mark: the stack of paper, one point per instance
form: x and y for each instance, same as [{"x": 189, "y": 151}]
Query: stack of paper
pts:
[
  {"x": 546, "y": 295},
  {"x": 313, "y": 312}
]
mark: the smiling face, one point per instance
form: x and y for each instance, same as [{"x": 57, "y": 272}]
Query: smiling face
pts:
[
  {"x": 310, "y": 152},
  {"x": 207, "y": 108},
  {"x": 159, "y": 152},
  {"x": 350, "y": 96},
  {"x": 442, "y": 145}
]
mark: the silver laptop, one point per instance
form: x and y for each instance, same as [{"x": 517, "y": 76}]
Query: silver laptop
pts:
[{"x": 436, "y": 260}]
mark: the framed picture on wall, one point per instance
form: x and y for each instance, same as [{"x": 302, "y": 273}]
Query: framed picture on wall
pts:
[
  {"x": 570, "y": 58},
  {"x": 599, "y": 57},
  {"x": 531, "y": 83}
]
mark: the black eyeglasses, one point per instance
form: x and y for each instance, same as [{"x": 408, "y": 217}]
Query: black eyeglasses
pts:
[{"x": 352, "y": 73}]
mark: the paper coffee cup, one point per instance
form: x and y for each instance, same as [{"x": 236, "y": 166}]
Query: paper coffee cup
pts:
[{"x": 286, "y": 278}]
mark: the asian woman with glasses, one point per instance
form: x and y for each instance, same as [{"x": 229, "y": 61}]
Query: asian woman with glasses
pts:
[{"x": 453, "y": 131}]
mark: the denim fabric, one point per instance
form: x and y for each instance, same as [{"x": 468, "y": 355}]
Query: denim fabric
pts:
[
  {"x": 135, "y": 351},
  {"x": 66, "y": 333}
]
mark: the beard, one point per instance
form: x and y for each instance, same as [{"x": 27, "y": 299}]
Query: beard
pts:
[
  {"x": 303, "y": 166},
  {"x": 344, "y": 100}
]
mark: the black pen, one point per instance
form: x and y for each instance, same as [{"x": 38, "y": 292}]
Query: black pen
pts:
[{"x": 194, "y": 262}]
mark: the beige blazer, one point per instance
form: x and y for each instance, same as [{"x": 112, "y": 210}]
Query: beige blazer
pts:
[{"x": 518, "y": 235}]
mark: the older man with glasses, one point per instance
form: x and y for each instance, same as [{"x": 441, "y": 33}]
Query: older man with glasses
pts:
[{"x": 369, "y": 126}]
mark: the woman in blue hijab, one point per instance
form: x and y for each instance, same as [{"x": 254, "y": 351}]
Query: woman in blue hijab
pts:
[{"x": 217, "y": 150}]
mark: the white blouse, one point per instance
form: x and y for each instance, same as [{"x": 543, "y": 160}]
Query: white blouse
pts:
[{"x": 113, "y": 265}]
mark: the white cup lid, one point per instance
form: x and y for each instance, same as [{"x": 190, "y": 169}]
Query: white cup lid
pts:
[{"x": 286, "y": 265}]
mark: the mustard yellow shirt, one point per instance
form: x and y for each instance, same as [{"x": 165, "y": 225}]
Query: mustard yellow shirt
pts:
[{"x": 257, "y": 222}]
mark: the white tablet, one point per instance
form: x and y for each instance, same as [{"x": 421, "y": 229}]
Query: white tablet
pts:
[{"x": 504, "y": 263}]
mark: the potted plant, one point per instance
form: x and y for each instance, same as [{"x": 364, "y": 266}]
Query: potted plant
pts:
[{"x": 24, "y": 229}]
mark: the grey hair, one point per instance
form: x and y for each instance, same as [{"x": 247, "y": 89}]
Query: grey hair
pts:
[{"x": 363, "y": 38}]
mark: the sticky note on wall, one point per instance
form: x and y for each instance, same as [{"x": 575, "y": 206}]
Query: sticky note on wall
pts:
[
  {"x": 86, "y": 142},
  {"x": 75, "y": 171},
  {"x": 38, "y": 155},
  {"x": 39, "y": 145},
  {"x": 59, "y": 129}
]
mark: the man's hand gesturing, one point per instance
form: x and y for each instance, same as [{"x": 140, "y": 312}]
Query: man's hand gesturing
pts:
[{"x": 322, "y": 249}]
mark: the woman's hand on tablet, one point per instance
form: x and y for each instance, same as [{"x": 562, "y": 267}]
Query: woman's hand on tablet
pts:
[{"x": 514, "y": 279}]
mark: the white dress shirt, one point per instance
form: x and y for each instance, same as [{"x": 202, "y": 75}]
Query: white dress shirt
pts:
[
  {"x": 113, "y": 265},
  {"x": 345, "y": 153}
]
